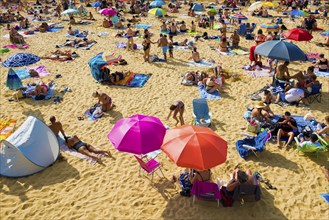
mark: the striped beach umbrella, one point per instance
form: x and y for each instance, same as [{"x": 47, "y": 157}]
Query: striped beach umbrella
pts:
[
  {"x": 157, "y": 12},
  {"x": 111, "y": 57},
  {"x": 270, "y": 27},
  {"x": 239, "y": 17}
]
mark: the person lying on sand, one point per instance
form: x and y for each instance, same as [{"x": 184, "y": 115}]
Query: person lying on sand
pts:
[
  {"x": 104, "y": 100},
  {"x": 84, "y": 148},
  {"x": 61, "y": 55},
  {"x": 182, "y": 43},
  {"x": 40, "y": 90}
]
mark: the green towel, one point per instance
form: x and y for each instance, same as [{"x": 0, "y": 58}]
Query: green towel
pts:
[
  {"x": 3, "y": 50},
  {"x": 239, "y": 52}
]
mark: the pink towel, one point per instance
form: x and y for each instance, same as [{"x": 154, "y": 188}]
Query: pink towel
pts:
[
  {"x": 14, "y": 46},
  {"x": 41, "y": 70},
  {"x": 75, "y": 153},
  {"x": 204, "y": 188}
]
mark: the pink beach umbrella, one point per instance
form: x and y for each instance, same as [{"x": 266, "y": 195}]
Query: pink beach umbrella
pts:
[
  {"x": 138, "y": 134},
  {"x": 108, "y": 11}
]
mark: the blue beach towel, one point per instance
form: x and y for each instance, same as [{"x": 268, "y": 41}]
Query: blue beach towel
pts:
[
  {"x": 23, "y": 74},
  {"x": 325, "y": 196},
  {"x": 77, "y": 33},
  {"x": 139, "y": 80},
  {"x": 49, "y": 94},
  {"x": 143, "y": 26},
  {"x": 203, "y": 63},
  {"x": 55, "y": 29},
  {"x": 320, "y": 73},
  {"x": 300, "y": 122},
  {"x": 204, "y": 94}
]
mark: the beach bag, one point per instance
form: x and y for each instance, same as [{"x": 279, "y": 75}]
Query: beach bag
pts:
[
  {"x": 307, "y": 131},
  {"x": 185, "y": 184},
  {"x": 249, "y": 37}
]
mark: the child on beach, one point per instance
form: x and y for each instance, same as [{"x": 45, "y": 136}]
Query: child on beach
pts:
[{"x": 175, "y": 108}]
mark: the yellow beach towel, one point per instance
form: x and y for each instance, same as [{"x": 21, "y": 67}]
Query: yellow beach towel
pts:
[{"x": 6, "y": 128}]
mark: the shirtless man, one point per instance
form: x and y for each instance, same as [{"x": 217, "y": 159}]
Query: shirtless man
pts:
[
  {"x": 84, "y": 148},
  {"x": 195, "y": 56},
  {"x": 56, "y": 127},
  {"x": 164, "y": 45},
  {"x": 223, "y": 28},
  {"x": 130, "y": 37},
  {"x": 282, "y": 72},
  {"x": 104, "y": 100}
]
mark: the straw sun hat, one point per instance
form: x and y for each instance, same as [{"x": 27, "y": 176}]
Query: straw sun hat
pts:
[{"x": 260, "y": 105}]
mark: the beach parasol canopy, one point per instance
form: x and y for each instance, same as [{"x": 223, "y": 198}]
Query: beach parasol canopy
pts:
[
  {"x": 239, "y": 17},
  {"x": 70, "y": 11},
  {"x": 96, "y": 4},
  {"x": 270, "y": 27},
  {"x": 108, "y": 11},
  {"x": 212, "y": 11},
  {"x": 280, "y": 50},
  {"x": 194, "y": 147},
  {"x": 298, "y": 13},
  {"x": 157, "y": 12},
  {"x": 257, "y": 5},
  {"x": 269, "y": 5},
  {"x": 138, "y": 134},
  {"x": 13, "y": 81},
  {"x": 197, "y": 7},
  {"x": 20, "y": 59},
  {"x": 298, "y": 35},
  {"x": 157, "y": 3},
  {"x": 325, "y": 34},
  {"x": 110, "y": 58}
]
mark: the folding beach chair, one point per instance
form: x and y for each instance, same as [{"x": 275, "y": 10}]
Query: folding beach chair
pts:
[
  {"x": 201, "y": 113},
  {"x": 312, "y": 149},
  {"x": 316, "y": 94},
  {"x": 206, "y": 191},
  {"x": 150, "y": 166}
]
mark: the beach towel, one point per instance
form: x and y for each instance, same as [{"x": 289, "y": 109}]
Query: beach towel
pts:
[
  {"x": 192, "y": 32},
  {"x": 204, "y": 94},
  {"x": 4, "y": 50},
  {"x": 122, "y": 45},
  {"x": 165, "y": 32},
  {"x": 320, "y": 73},
  {"x": 203, "y": 63},
  {"x": 55, "y": 29},
  {"x": 325, "y": 196},
  {"x": 77, "y": 33},
  {"x": 42, "y": 19},
  {"x": 75, "y": 153},
  {"x": 182, "y": 48},
  {"x": 134, "y": 80},
  {"x": 83, "y": 23},
  {"x": 20, "y": 32},
  {"x": 82, "y": 48},
  {"x": 229, "y": 53},
  {"x": 154, "y": 58},
  {"x": 14, "y": 46},
  {"x": 90, "y": 114},
  {"x": 184, "y": 16},
  {"x": 49, "y": 93},
  {"x": 259, "y": 72},
  {"x": 24, "y": 73},
  {"x": 6, "y": 128},
  {"x": 239, "y": 52},
  {"x": 312, "y": 56},
  {"x": 301, "y": 123},
  {"x": 143, "y": 26}
]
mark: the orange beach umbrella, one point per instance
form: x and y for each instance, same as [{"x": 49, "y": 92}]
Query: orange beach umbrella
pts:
[{"x": 194, "y": 147}]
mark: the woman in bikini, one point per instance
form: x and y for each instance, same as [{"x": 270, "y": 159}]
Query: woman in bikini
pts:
[
  {"x": 84, "y": 148},
  {"x": 104, "y": 100},
  {"x": 175, "y": 108},
  {"x": 211, "y": 85},
  {"x": 147, "y": 47},
  {"x": 240, "y": 177},
  {"x": 322, "y": 63},
  {"x": 200, "y": 175},
  {"x": 223, "y": 45},
  {"x": 267, "y": 99}
]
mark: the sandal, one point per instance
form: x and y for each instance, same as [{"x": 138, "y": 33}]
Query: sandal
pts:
[
  {"x": 81, "y": 118},
  {"x": 269, "y": 185}
]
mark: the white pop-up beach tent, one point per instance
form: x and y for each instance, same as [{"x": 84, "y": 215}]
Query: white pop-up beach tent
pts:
[{"x": 30, "y": 149}]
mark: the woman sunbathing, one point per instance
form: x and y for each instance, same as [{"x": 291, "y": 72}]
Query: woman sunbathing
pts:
[
  {"x": 40, "y": 90},
  {"x": 60, "y": 55},
  {"x": 182, "y": 43},
  {"x": 84, "y": 148}
]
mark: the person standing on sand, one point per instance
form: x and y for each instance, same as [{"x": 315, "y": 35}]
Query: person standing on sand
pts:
[
  {"x": 164, "y": 45},
  {"x": 104, "y": 100},
  {"x": 177, "y": 107},
  {"x": 130, "y": 37}
]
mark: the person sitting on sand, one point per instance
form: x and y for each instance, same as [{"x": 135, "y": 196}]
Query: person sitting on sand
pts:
[
  {"x": 104, "y": 100},
  {"x": 294, "y": 94},
  {"x": 84, "y": 148},
  {"x": 91, "y": 17},
  {"x": 193, "y": 27},
  {"x": 200, "y": 175},
  {"x": 44, "y": 27},
  {"x": 267, "y": 99},
  {"x": 235, "y": 38},
  {"x": 313, "y": 140},
  {"x": 259, "y": 113},
  {"x": 195, "y": 56},
  {"x": 119, "y": 24},
  {"x": 70, "y": 31},
  {"x": 175, "y": 108},
  {"x": 183, "y": 27},
  {"x": 287, "y": 128},
  {"x": 56, "y": 127},
  {"x": 173, "y": 29},
  {"x": 223, "y": 45},
  {"x": 15, "y": 37},
  {"x": 163, "y": 27},
  {"x": 106, "y": 23},
  {"x": 240, "y": 177},
  {"x": 322, "y": 63},
  {"x": 72, "y": 20},
  {"x": 324, "y": 130},
  {"x": 282, "y": 72}
]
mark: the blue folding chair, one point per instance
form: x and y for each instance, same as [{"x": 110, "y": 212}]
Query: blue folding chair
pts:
[{"x": 201, "y": 113}]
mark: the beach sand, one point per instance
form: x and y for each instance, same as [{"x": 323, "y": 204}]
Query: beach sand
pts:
[{"x": 77, "y": 189}]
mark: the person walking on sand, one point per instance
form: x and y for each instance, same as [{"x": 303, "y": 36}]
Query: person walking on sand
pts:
[
  {"x": 147, "y": 47},
  {"x": 130, "y": 37},
  {"x": 164, "y": 45},
  {"x": 104, "y": 100},
  {"x": 175, "y": 108}
]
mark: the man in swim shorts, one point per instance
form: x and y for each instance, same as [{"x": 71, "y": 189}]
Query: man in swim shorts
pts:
[{"x": 164, "y": 45}]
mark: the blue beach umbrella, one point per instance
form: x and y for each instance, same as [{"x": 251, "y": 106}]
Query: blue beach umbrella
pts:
[
  {"x": 280, "y": 50},
  {"x": 13, "y": 81},
  {"x": 20, "y": 59},
  {"x": 197, "y": 7},
  {"x": 115, "y": 19},
  {"x": 157, "y": 3},
  {"x": 96, "y": 4},
  {"x": 325, "y": 34},
  {"x": 299, "y": 13}
]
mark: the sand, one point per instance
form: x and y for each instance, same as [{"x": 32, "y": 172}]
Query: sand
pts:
[{"x": 77, "y": 189}]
